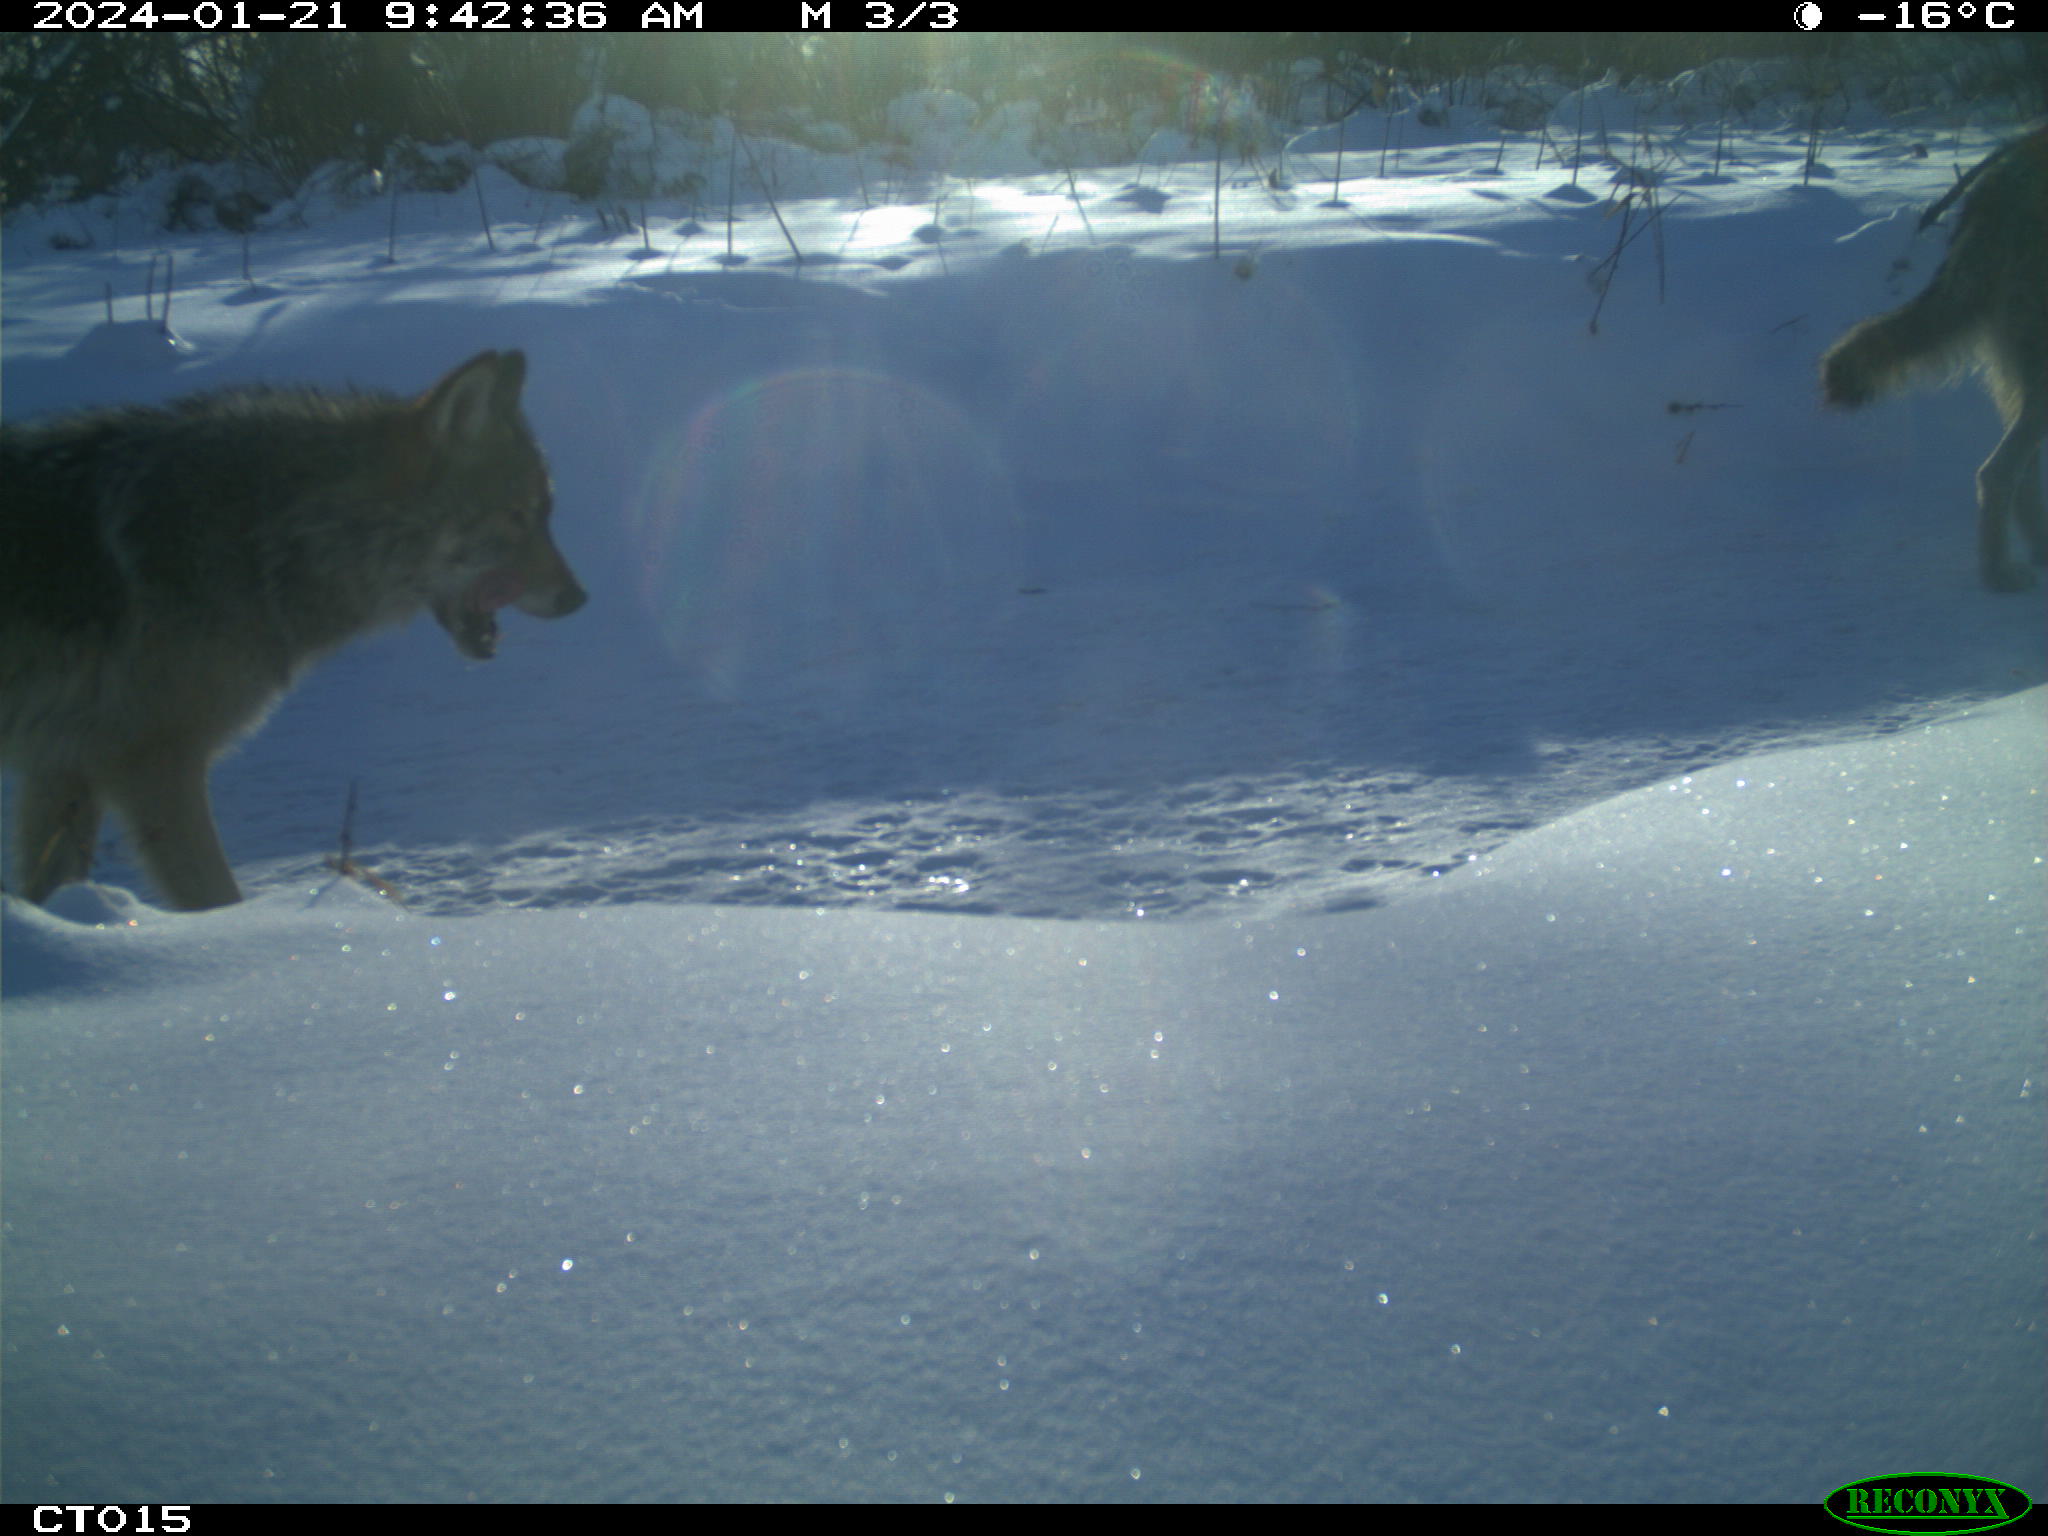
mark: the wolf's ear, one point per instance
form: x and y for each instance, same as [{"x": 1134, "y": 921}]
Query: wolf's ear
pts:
[{"x": 462, "y": 408}]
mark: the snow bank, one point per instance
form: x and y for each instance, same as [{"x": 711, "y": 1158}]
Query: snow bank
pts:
[{"x": 1691, "y": 1151}]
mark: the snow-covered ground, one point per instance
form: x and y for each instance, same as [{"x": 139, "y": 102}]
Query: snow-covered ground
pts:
[{"x": 1597, "y": 1055}]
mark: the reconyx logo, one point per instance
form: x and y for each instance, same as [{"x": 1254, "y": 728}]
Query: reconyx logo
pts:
[{"x": 1927, "y": 1502}]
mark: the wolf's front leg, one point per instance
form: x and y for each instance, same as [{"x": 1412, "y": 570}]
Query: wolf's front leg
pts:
[{"x": 162, "y": 797}]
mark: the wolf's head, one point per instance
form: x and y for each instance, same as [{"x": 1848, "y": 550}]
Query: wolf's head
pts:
[{"x": 491, "y": 496}]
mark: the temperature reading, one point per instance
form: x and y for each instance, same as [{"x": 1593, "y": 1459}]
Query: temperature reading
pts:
[{"x": 1941, "y": 15}]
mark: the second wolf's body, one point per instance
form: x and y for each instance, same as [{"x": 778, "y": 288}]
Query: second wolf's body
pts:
[
  {"x": 171, "y": 571},
  {"x": 1987, "y": 306}
]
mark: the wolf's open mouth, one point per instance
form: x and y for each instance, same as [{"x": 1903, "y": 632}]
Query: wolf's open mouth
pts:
[
  {"x": 472, "y": 618},
  {"x": 476, "y": 633}
]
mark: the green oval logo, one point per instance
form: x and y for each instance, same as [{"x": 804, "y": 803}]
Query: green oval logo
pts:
[{"x": 1915, "y": 1502}]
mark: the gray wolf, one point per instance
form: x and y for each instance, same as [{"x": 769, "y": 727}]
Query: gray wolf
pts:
[
  {"x": 1988, "y": 307},
  {"x": 171, "y": 571}
]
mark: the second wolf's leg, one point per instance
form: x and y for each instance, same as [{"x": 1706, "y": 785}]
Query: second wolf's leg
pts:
[
  {"x": 56, "y": 821},
  {"x": 162, "y": 797},
  {"x": 2009, "y": 491}
]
